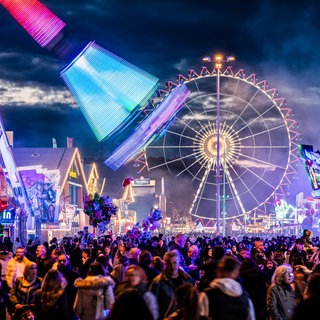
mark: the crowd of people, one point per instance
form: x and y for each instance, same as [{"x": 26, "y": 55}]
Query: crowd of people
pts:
[{"x": 161, "y": 278}]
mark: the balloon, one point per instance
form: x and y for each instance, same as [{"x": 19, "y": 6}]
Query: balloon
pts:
[{"x": 127, "y": 181}]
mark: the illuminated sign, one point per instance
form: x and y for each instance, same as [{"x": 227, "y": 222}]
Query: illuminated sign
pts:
[
  {"x": 7, "y": 216},
  {"x": 144, "y": 182},
  {"x": 72, "y": 174}
]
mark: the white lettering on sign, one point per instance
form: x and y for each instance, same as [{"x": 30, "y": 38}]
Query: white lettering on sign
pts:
[{"x": 6, "y": 215}]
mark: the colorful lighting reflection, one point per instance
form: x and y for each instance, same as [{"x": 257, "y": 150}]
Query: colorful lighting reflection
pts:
[
  {"x": 143, "y": 135},
  {"x": 107, "y": 88},
  {"x": 42, "y": 24}
]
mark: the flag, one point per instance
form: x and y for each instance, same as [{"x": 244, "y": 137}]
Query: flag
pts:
[
  {"x": 54, "y": 143},
  {"x": 69, "y": 142}
]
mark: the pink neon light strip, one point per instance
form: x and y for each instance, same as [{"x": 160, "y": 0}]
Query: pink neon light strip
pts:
[{"x": 42, "y": 24}]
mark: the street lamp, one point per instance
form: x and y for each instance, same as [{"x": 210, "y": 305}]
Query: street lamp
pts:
[{"x": 218, "y": 60}]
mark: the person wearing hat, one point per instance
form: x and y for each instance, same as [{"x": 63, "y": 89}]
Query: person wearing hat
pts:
[
  {"x": 299, "y": 283},
  {"x": 298, "y": 253}
]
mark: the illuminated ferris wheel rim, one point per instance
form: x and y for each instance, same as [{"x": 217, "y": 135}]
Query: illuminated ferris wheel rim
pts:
[{"x": 204, "y": 139}]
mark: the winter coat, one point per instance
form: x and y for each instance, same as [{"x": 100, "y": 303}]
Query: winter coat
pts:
[
  {"x": 86, "y": 299},
  {"x": 5, "y": 257},
  {"x": 280, "y": 301},
  {"x": 57, "y": 308},
  {"x": 163, "y": 287},
  {"x": 15, "y": 270},
  {"x": 23, "y": 292},
  {"x": 225, "y": 299},
  {"x": 142, "y": 289}
]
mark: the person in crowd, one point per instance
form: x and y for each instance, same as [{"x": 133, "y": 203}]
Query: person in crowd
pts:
[
  {"x": 160, "y": 249},
  {"x": 3, "y": 300},
  {"x": 307, "y": 238},
  {"x": 207, "y": 274},
  {"x": 24, "y": 290},
  {"x": 17, "y": 243},
  {"x": 5, "y": 257},
  {"x": 279, "y": 256},
  {"x": 157, "y": 263},
  {"x": 186, "y": 303},
  {"x": 75, "y": 254},
  {"x": 130, "y": 305},
  {"x": 244, "y": 253},
  {"x": 280, "y": 295},
  {"x": 145, "y": 261},
  {"x": 234, "y": 250},
  {"x": 16, "y": 266},
  {"x": 8, "y": 243},
  {"x": 218, "y": 252},
  {"x": 298, "y": 251},
  {"x": 256, "y": 249},
  {"x": 136, "y": 279},
  {"x": 225, "y": 298},
  {"x": 309, "y": 307},
  {"x": 253, "y": 280},
  {"x": 119, "y": 271},
  {"x": 269, "y": 269},
  {"x": 43, "y": 261},
  {"x": 133, "y": 255},
  {"x": 207, "y": 255},
  {"x": 179, "y": 244},
  {"x": 123, "y": 250},
  {"x": 299, "y": 282},
  {"x": 53, "y": 244},
  {"x": 71, "y": 275},
  {"x": 86, "y": 237},
  {"x": 193, "y": 262},
  {"x": 85, "y": 263},
  {"x": 164, "y": 285},
  {"x": 153, "y": 244},
  {"x": 51, "y": 301},
  {"x": 106, "y": 251},
  {"x": 95, "y": 286},
  {"x": 55, "y": 253}
]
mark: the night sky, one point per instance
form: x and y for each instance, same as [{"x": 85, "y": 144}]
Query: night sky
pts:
[{"x": 277, "y": 40}]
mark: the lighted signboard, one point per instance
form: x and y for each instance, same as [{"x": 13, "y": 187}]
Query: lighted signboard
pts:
[{"x": 312, "y": 164}]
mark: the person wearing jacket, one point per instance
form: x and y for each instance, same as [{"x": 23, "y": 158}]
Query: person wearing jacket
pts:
[
  {"x": 51, "y": 301},
  {"x": 163, "y": 286},
  {"x": 281, "y": 300},
  {"x": 24, "y": 290},
  {"x": 94, "y": 286},
  {"x": 225, "y": 298},
  {"x": 16, "y": 266},
  {"x": 136, "y": 279}
]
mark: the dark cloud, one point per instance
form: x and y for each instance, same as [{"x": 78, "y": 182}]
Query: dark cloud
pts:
[{"x": 277, "y": 40}]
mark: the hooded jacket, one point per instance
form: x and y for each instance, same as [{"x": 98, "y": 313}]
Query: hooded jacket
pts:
[
  {"x": 88, "y": 290},
  {"x": 225, "y": 299}
]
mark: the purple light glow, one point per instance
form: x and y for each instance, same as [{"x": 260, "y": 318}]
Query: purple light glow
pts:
[{"x": 143, "y": 135}]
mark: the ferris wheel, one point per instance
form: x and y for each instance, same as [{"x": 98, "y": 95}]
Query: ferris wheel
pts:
[{"x": 256, "y": 137}]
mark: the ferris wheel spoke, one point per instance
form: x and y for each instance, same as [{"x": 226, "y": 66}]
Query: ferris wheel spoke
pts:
[
  {"x": 235, "y": 194},
  {"x": 242, "y": 112},
  {"x": 186, "y": 168},
  {"x": 200, "y": 188},
  {"x": 258, "y": 163},
  {"x": 194, "y": 116},
  {"x": 268, "y": 131},
  {"x": 248, "y": 190},
  {"x": 201, "y": 99}
]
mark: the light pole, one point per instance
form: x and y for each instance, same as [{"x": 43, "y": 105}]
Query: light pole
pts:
[{"x": 218, "y": 60}]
